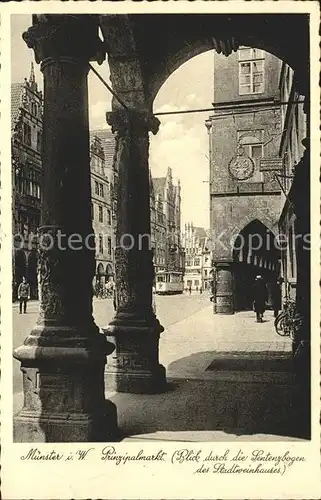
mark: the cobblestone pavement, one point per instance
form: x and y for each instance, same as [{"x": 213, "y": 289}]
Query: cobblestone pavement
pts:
[
  {"x": 234, "y": 402},
  {"x": 170, "y": 310},
  {"x": 187, "y": 348}
]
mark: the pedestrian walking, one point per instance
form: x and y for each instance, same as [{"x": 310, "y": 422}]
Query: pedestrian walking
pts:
[
  {"x": 154, "y": 299},
  {"x": 114, "y": 297},
  {"x": 201, "y": 290},
  {"x": 276, "y": 296},
  {"x": 23, "y": 295},
  {"x": 190, "y": 290},
  {"x": 259, "y": 297}
]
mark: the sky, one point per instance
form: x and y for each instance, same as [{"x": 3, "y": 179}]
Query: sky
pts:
[{"x": 182, "y": 140}]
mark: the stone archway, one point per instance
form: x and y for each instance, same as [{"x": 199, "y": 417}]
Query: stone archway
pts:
[
  {"x": 142, "y": 51},
  {"x": 109, "y": 272},
  {"x": 139, "y": 67},
  {"x": 164, "y": 42},
  {"x": 100, "y": 270},
  {"x": 256, "y": 251}
]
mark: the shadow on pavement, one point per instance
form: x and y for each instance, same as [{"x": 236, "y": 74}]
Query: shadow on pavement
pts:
[{"x": 238, "y": 406}]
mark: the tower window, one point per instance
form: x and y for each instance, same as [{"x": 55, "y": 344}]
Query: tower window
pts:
[
  {"x": 251, "y": 71},
  {"x": 101, "y": 246}
]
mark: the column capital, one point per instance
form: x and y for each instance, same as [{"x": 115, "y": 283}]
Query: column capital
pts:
[
  {"x": 72, "y": 36},
  {"x": 138, "y": 121}
]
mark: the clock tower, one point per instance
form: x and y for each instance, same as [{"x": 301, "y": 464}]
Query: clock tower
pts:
[{"x": 244, "y": 129}]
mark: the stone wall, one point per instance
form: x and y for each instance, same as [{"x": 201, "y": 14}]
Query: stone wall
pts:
[{"x": 227, "y": 84}]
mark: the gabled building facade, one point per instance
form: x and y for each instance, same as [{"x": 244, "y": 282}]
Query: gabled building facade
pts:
[
  {"x": 198, "y": 261},
  {"x": 291, "y": 151},
  {"x": 165, "y": 210},
  {"x": 26, "y": 145},
  {"x": 102, "y": 219}
]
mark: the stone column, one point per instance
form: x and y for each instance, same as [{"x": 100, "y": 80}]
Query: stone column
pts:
[
  {"x": 135, "y": 330},
  {"x": 224, "y": 293},
  {"x": 300, "y": 197},
  {"x": 64, "y": 356}
]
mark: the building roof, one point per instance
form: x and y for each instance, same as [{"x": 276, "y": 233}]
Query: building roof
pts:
[
  {"x": 108, "y": 142},
  {"x": 16, "y": 91}
]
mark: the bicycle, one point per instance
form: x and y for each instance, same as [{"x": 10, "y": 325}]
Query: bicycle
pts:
[{"x": 285, "y": 322}]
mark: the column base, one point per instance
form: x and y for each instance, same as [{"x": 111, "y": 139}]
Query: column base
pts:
[
  {"x": 38, "y": 427},
  {"x": 134, "y": 366},
  {"x": 63, "y": 385},
  {"x": 137, "y": 382}
]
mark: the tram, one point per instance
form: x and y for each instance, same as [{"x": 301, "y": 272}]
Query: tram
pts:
[{"x": 169, "y": 282}]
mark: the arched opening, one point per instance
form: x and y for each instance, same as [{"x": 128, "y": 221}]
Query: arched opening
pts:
[
  {"x": 256, "y": 252},
  {"x": 100, "y": 273},
  {"x": 109, "y": 272},
  {"x": 135, "y": 331},
  {"x": 224, "y": 34}
]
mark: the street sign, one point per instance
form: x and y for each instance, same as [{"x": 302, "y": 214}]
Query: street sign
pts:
[{"x": 272, "y": 163}]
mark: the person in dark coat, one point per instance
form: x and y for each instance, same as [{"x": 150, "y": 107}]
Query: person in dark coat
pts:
[
  {"x": 23, "y": 295},
  {"x": 276, "y": 296},
  {"x": 260, "y": 294}
]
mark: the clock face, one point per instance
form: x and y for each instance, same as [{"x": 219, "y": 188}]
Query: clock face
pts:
[{"x": 241, "y": 167}]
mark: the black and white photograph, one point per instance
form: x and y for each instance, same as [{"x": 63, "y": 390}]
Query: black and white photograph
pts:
[{"x": 162, "y": 287}]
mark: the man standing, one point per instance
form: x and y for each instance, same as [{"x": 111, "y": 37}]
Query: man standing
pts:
[
  {"x": 276, "y": 296},
  {"x": 260, "y": 294},
  {"x": 23, "y": 295}
]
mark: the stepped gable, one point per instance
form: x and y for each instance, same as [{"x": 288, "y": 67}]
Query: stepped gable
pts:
[
  {"x": 16, "y": 91},
  {"x": 108, "y": 142}
]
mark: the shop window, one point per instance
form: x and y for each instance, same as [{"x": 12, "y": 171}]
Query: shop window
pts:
[{"x": 101, "y": 244}]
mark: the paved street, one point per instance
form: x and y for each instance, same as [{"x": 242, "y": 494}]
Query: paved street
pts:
[
  {"x": 170, "y": 310},
  {"x": 229, "y": 377}
]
